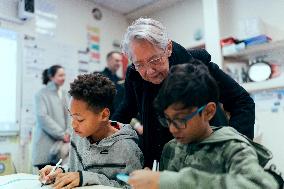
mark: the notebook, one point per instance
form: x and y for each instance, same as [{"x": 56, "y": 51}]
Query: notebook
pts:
[{"x": 28, "y": 181}]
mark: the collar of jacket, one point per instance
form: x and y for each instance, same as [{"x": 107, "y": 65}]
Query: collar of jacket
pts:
[
  {"x": 107, "y": 71},
  {"x": 180, "y": 55},
  {"x": 223, "y": 134},
  {"x": 52, "y": 86},
  {"x": 126, "y": 132}
]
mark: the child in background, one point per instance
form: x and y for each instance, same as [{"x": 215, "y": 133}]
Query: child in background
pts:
[
  {"x": 201, "y": 156},
  {"x": 98, "y": 150}
]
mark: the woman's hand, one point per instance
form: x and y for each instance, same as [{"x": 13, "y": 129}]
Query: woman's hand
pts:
[
  {"x": 139, "y": 128},
  {"x": 66, "y": 138},
  {"x": 67, "y": 180}
]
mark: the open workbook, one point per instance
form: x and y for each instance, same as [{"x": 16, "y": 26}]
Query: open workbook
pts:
[{"x": 28, "y": 181}]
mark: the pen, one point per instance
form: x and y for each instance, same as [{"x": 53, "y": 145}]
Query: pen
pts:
[
  {"x": 155, "y": 166},
  {"x": 52, "y": 171}
]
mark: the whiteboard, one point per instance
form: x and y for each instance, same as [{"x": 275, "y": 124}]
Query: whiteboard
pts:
[{"x": 9, "y": 77}]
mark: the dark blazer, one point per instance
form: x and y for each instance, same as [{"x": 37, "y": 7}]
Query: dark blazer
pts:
[
  {"x": 140, "y": 94},
  {"x": 119, "y": 88}
]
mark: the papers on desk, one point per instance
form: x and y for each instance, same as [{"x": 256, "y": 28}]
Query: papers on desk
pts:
[
  {"x": 21, "y": 181},
  {"x": 28, "y": 181}
]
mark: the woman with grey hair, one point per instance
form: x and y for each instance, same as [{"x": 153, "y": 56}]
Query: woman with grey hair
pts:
[{"x": 152, "y": 53}]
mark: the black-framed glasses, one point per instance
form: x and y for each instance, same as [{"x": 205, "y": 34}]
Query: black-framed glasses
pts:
[
  {"x": 151, "y": 63},
  {"x": 179, "y": 123}
]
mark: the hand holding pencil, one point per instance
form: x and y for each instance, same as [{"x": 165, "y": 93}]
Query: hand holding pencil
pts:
[{"x": 49, "y": 173}]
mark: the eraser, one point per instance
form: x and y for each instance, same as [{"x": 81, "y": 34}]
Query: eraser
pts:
[{"x": 123, "y": 177}]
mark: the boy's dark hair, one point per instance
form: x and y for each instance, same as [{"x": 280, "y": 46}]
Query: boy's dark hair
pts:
[
  {"x": 94, "y": 89},
  {"x": 190, "y": 85}
]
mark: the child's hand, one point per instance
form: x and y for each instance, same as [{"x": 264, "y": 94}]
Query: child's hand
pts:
[
  {"x": 43, "y": 174},
  {"x": 139, "y": 128},
  {"x": 67, "y": 180},
  {"x": 144, "y": 179},
  {"x": 66, "y": 138}
]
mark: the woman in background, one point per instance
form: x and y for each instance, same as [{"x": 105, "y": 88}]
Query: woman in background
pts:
[{"x": 52, "y": 122}]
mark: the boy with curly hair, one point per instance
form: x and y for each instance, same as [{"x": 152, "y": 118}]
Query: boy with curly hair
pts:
[{"x": 98, "y": 150}]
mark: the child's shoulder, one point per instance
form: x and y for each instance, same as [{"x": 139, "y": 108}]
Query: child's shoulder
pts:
[
  {"x": 234, "y": 143},
  {"x": 125, "y": 138},
  {"x": 225, "y": 134},
  {"x": 170, "y": 146}
]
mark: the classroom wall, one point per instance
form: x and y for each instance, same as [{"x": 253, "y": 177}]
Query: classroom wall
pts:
[
  {"x": 269, "y": 118},
  {"x": 73, "y": 16},
  {"x": 182, "y": 20},
  {"x": 270, "y": 12}
]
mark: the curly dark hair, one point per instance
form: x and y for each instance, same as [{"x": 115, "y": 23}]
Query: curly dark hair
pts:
[
  {"x": 94, "y": 89},
  {"x": 189, "y": 84}
]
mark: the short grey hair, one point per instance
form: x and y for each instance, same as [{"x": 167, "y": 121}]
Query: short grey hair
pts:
[{"x": 145, "y": 29}]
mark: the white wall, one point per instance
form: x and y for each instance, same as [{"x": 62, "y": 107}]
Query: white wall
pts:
[
  {"x": 73, "y": 18},
  {"x": 185, "y": 17},
  {"x": 269, "y": 125},
  {"x": 270, "y": 12},
  {"x": 182, "y": 20}
]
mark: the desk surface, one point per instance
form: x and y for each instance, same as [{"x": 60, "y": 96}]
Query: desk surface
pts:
[{"x": 28, "y": 181}]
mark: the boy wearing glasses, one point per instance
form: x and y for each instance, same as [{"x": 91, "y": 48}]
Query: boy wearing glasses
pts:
[
  {"x": 98, "y": 150},
  {"x": 201, "y": 156}
]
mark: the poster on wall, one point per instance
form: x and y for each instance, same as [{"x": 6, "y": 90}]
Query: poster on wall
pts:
[
  {"x": 83, "y": 59},
  {"x": 93, "y": 36}
]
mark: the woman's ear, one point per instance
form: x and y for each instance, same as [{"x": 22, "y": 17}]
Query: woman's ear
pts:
[
  {"x": 105, "y": 114},
  {"x": 169, "y": 48},
  {"x": 210, "y": 110}
]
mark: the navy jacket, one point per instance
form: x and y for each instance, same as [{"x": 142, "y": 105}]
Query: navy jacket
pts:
[
  {"x": 140, "y": 94},
  {"x": 119, "y": 88}
]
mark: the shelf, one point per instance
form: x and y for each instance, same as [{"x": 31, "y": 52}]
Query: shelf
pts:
[
  {"x": 197, "y": 45},
  {"x": 270, "y": 49},
  {"x": 270, "y": 84}
]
